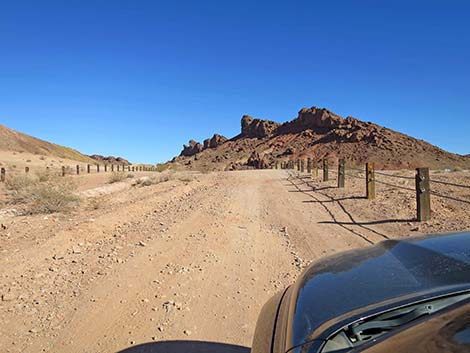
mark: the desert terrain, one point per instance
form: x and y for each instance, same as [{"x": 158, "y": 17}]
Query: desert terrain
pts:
[{"x": 192, "y": 257}]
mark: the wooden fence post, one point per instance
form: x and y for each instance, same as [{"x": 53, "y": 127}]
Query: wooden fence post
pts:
[
  {"x": 63, "y": 170},
  {"x": 105, "y": 168},
  {"x": 133, "y": 168},
  {"x": 423, "y": 194},
  {"x": 315, "y": 165},
  {"x": 341, "y": 173},
  {"x": 88, "y": 168},
  {"x": 370, "y": 181},
  {"x": 2, "y": 175},
  {"x": 309, "y": 165},
  {"x": 26, "y": 169},
  {"x": 302, "y": 165},
  {"x": 325, "y": 169},
  {"x": 78, "y": 169}
]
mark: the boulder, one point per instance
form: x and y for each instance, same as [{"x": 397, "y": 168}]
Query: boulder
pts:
[{"x": 256, "y": 161}]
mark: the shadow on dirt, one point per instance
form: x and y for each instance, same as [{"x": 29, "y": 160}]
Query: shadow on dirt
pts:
[{"x": 186, "y": 347}]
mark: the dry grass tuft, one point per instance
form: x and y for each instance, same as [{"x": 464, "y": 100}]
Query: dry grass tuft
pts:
[
  {"x": 18, "y": 184},
  {"x": 43, "y": 175},
  {"x": 42, "y": 194},
  {"x": 116, "y": 177},
  {"x": 54, "y": 195},
  {"x": 148, "y": 181}
]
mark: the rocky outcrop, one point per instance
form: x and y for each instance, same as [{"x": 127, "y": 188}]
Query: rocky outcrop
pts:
[
  {"x": 316, "y": 133},
  {"x": 319, "y": 120},
  {"x": 215, "y": 141},
  {"x": 193, "y": 148},
  {"x": 252, "y": 127},
  {"x": 109, "y": 159},
  {"x": 256, "y": 161}
]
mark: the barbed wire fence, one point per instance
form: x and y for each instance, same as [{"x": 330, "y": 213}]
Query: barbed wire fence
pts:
[
  {"x": 79, "y": 169},
  {"x": 422, "y": 181}
]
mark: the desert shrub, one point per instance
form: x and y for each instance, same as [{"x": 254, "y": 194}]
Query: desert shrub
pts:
[
  {"x": 116, "y": 177},
  {"x": 70, "y": 170},
  {"x": 161, "y": 167},
  {"x": 130, "y": 176},
  {"x": 55, "y": 195},
  {"x": 17, "y": 185},
  {"x": 148, "y": 181},
  {"x": 43, "y": 175}
]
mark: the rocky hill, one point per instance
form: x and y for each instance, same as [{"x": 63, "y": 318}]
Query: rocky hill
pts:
[
  {"x": 109, "y": 159},
  {"x": 316, "y": 133}
]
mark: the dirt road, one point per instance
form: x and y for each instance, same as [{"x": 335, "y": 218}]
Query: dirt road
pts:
[{"x": 175, "y": 261}]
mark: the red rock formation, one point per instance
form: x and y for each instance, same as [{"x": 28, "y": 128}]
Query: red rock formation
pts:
[
  {"x": 109, "y": 159},
  {"x": 193, "y": 148},
  {"x": 252, "y": 127},
  {"x": 215, "y": 141}
]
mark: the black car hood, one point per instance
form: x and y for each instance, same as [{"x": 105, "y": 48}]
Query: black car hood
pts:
[{"x": 350, "y": 283}]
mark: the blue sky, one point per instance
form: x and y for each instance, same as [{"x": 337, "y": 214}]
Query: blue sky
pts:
[{"x": 140, "y": 78}]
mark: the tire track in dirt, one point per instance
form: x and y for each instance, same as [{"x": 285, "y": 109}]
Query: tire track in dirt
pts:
[{"x": 200, "y": 268}]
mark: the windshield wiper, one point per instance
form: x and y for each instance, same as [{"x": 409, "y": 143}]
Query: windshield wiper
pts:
[{"x": 363, "y": 331}]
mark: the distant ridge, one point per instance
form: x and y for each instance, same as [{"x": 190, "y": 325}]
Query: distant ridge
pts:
[
  {"x": 316, "y": 133},
  {"x": 109, "y": 159}
]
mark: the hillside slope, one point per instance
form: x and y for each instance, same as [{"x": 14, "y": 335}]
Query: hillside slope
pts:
[
  {"x": 316, "y": 133},
  {"x": 11, "y": 140}
]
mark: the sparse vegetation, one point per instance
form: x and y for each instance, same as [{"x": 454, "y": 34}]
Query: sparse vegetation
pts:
[
  {"x": 16, "y": 186},
  {"x": 43, "y": 175},
  {"x": 116, "y": 177},
  {"x": 161, "y": 167},
  {"x": 42, "y": 194},
  {"x": 55, "y": 195},
  {"x": 157, "y": 179}
]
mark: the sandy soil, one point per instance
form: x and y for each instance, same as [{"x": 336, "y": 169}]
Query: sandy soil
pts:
[{"x": 184, "y": 260}]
